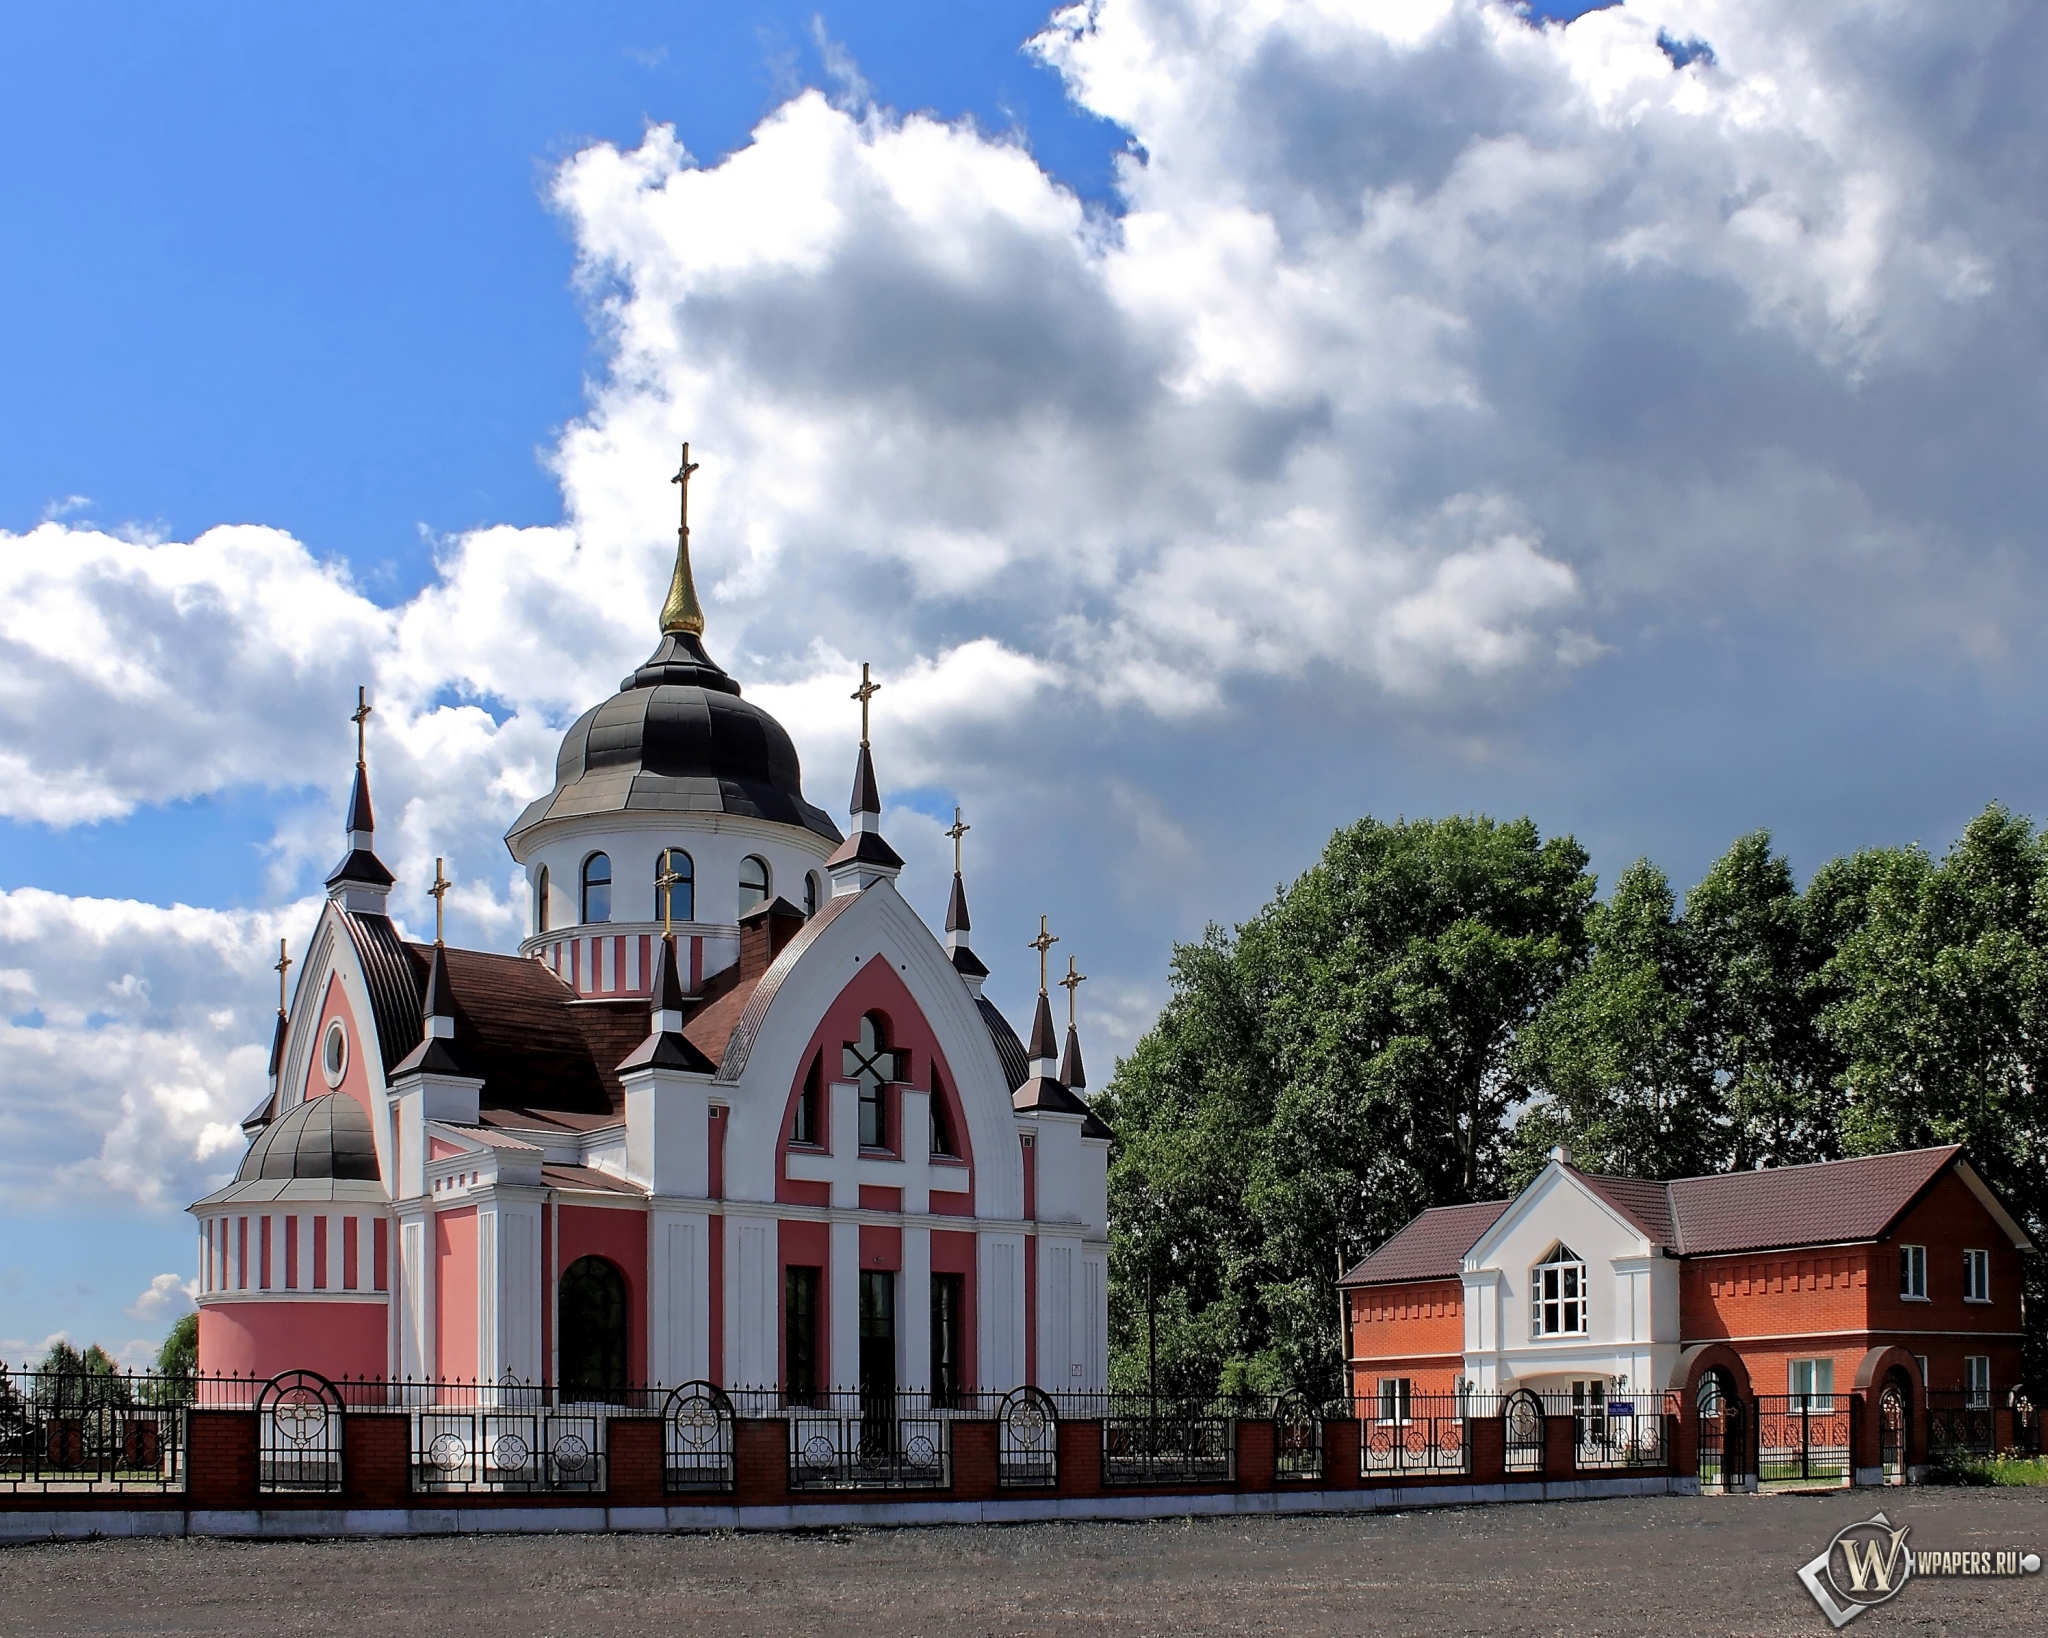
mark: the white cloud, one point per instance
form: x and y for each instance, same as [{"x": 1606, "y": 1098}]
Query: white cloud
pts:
[
  {"x": 167, "y": 1297},
  {"x": 1431, "y": 356}
]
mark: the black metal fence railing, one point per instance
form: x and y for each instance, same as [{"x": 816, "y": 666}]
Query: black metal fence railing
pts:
[
  {"x": 1960, "y": 1423},
  {"x": 1027, "y": 1441},
  {"x": 1297, "y": 1438},
  {"x": 1158, "y": 1442},
  {"x": 507, "y": 1450},
  {"x": 85, "y": 1431},
  {"x": 849, "y": 1440},
  {"x": 1625, "y": 1430},
  {"x": 1524, "y": 1432},
  {"x": 697, "y": 1440},
  {"x": 1420, "y": 1434},
  {"x": 1804, "y": 1439}
]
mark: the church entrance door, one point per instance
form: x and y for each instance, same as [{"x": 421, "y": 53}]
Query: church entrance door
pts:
[
  {"x": 878, "y": 1360},
  {"x": 593, "y": 1311}
]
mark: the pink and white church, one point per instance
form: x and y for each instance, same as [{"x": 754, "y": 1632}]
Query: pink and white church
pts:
[{"x": 732, "y": 1112}]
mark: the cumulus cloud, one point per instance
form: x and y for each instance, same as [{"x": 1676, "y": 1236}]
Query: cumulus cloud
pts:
[
  {"x": 1428, "y": 353},
  {"x": 166, "y": 1297}
]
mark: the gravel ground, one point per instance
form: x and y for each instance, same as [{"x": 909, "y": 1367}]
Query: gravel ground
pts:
[{"x": 1667, "y": 1564}]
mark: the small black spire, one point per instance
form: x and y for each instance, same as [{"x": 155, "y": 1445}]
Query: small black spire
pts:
[
  {"x": 359, "y": 815},
  {"x": 277, "y": 1039},
  {"x": 1044, "y": 1043},
  {"x": 436, "y": 1002},
  {"x": 667, "y": 989},
  {"x": 956, "y": 908},
  {"x": 866, "y": 798},
  {"x": 1071, "y": 1071}
]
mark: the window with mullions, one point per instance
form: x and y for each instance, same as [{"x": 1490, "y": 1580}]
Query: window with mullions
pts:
[
  {"x": 800, "y": 1335},
  {"x": 1976, "y": 1276},
  {"x": 943, "y": 1141},
  {"x": 1977, "y": 1379},
  {"x": 949, "y": 1307},
  {"x": 1913, "y": 1273},
  {"x": 1557, "y": 1292},
  {"x": 1396, "y": 1397},
  {"x": 1812, "y": 1382},
  {"x": 597, "y": 888},
  {"x": 871, "y": 1066},
  {"x": 540, "y": 901},
  {"x": 753, "y": 882},
  {"x": 675, "y": 886}
]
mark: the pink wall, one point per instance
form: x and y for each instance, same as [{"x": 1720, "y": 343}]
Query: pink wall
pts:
[
  {"x": 875, "y": 988},
  {"x": 355, "y": 1080},
  {"x": 455, "y": 1294},
  {"x": 620, "y": 1237},
  {"x": 264, "y": 1339}
]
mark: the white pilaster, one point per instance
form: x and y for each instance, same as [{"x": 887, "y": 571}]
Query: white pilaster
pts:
[
  {"x": 679, "y": 1331},
  {"x": 843, "y": 1279},
  {"x": 914, "y": 1310}
]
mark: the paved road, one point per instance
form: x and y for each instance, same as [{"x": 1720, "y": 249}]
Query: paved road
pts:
[{"x": 1669, "y": 1565}]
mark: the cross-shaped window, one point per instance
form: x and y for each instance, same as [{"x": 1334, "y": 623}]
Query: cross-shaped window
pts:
[{"x": 870, "y": 1064}]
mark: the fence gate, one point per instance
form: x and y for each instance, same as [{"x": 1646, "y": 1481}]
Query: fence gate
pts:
[
  {"x": 1522, "y": 1419},
  {"x": 1803, "y": 1439},
  {"x": 298, "y": 1439},
  {"x": 1891, "y": 1433},
  {"x": 1722, "y": 1437},
  {"x": 1027, "y": 1439}
]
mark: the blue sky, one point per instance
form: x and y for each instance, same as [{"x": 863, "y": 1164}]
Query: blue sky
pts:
[{"x": 1444, "y": 413}]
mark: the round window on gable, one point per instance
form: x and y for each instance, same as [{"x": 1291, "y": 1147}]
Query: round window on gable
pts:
[{"x": 334, "y": 1053}]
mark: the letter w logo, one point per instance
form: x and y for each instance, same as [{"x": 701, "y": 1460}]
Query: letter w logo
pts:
[{"x": 1872, "y": 1569}]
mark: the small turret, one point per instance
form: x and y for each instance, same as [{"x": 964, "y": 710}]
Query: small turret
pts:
[
  {"x": 360, "y": 882},
  {"x": 864, "y": 858}
]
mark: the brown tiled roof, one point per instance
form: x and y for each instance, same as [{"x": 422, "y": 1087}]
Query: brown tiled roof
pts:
[
  {"x": 1823, "y": 1204},
  {"x": 1643, "y": 1203},
  {"x": 587, "y": 1177},
  {"x": 1431, "y": 1247},
  {"x": 547, "y": 1055}
]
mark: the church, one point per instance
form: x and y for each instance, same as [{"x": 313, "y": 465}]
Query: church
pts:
[{"x": 732, "y": 1113}]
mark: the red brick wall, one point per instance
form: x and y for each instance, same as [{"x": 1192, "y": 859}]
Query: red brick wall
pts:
[
  {"x": 1416, "y": 1330},
  {"x": 1839, "y": 1302}
]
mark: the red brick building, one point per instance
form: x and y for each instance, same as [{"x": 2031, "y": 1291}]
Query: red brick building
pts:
[{"x": 1801, "y": 1279}]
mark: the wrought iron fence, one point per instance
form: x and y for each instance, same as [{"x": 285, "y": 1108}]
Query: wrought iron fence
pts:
[
  {"x": 298, "y": 1435},
  {"x": 508, "y": 1450},
  {"x": 1523, "y": 1432},
  {"x": 1158, "y": 1441},
  {"x": 1626, "y": 1430},
  {"x": 848, "y": 1440},
  {"x": 1960, "y": 1423},
  {"x": 1027, "y": 1441},
  {"x": 1297, "y": 1438},
  {"x": 697, "y": 1439},
  {"x": 87, "y": 1430},
  {"x": 1424, "y": 1433},
  {"x": 1804, "y": 1439}
]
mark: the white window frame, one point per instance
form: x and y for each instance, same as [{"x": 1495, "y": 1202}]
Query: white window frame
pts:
[
  {"x": 1396, "y": 1400},
  {"x": 1977, "y": 1380},
  {"x": 1926, "y": 1371},
  {"x": 1558, "y": 1296},
  {"x": 1912, "y": 1273},
  {"x": 1813, "y": 1381},
  {"x": 1976, "y": 1276}
]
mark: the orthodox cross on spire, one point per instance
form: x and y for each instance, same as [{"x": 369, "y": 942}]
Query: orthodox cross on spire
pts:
[
  {"x": 960, "y": 829},
  {"x": 1072, "y": 983},
  {"x": 284, "y": 965},
  {"x": 666, "y": 882},
  {"x": 1044, "y": 942},
  {"x": 681, "y": 614},
  {"x": 359, "y": 716},
  {"x": 440, "y": 892},
  {"x": 868, "y": 689}
]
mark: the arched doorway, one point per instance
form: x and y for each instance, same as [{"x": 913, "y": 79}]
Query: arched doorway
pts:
[
  {"x": 593, "y": 1318},
  {"x": 1723, "y": 1440}
]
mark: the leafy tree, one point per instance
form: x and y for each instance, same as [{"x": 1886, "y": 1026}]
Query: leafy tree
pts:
[
  {"x": 1340, "y": 1061},
  {"x": 178, "y": 1359}
]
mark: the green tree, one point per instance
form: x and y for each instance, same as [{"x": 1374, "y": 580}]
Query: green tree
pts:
[
  {"x": 1342, "y": 1060},
  {"x": 178, "y": 1359}
]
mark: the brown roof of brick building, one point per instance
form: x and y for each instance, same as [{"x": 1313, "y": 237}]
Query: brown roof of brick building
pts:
[{"x": 1431, "y": 1247}]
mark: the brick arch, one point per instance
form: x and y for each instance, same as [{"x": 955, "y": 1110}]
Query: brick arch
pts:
[
  {"x": 1877, "y": 1367},
  {"x": 1701, "y": 1358}
]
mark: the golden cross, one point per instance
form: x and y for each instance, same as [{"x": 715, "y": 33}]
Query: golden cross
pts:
[
  {"x": 440, "y": 892},
  {"x": 868, "y": 689},
  {"x": 359, "y": 716},
  {"x": 284, "y": 965},
  {"x": 960, "y": 829},
  {"x": 682, "y": 478},
  {"x": 1071, "y": 983},
  {"x": 1044, "y": 942},
  {"x": 666, "y": 881}
]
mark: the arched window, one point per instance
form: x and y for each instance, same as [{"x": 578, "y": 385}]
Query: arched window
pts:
[
  {"x": 681, "y": 890},
  {"x": 870, "y": 1065},
  {"x": 1557, "y": 1294},
  {"x": 808, "y": 1126},
  {"x": 753, "y": 882},
  {"x": 813, "y": 894},
  {"x": 597, "y": 888},
  {"x": 593, "y": 1310},
  {"x": 943, "y": 1141},
  {"x": 540, "y": 901}
]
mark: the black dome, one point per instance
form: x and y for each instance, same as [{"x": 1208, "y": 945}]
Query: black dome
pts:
[
  {"x": 678, "y": 738},
  {"x": 324, "y": 1137}
]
